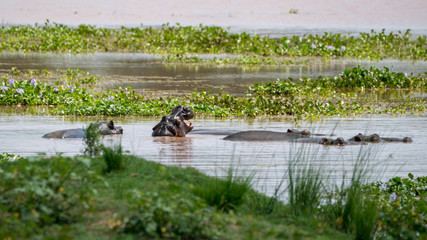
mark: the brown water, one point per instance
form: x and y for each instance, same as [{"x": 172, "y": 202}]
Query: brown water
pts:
[
  {"x": 147, "y": 73},
  {"x": 269, "y": 17},
  {"x": 21, "y": 134}
]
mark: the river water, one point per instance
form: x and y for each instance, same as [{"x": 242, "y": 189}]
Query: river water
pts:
[
  {"x": 147, "y": 73},
  {"x": 21, "y": 134}
]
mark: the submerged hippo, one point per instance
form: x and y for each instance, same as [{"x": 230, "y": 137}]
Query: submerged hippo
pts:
[
  {"x": 175, "y": 124},
  {"x": 105, "y": 128},
  {"x": 305, "y": 137},
  {"x": 254, "y": 135}
]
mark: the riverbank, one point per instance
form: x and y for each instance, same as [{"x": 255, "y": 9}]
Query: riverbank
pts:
[{"x": 88, "y": 198}]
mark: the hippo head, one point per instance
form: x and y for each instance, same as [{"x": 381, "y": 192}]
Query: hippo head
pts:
[
  {"x": 339, "y": 141},
  {"x": 175, "y": 124},
  {"x": 302, "y": 132},
  {"x": 366, "y": 138},
  {"x": 108, "y": 128}
]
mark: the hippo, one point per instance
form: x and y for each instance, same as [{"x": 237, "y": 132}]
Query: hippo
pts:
[
  {"x": 259, "y": 135},
  {"x": 105, "y": 128},
  {"x": 376, "y": 138},
  {"x": 304, "y": 136},
  {"x": 175, "y": 124},
  {"x": 364, "y": 139},
  {"x": 289, "y": 135}
]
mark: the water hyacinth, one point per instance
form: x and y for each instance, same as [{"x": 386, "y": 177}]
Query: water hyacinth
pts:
[
  {"x": 33, "y": 82},
  {"x": 11, "y": 81},
  {"x": 4, "y": 88},
  {"x": 20, "y": 90},
  {"x": 110, "y": 99},
  {"x": 343, "y": 48},
  {"x": 71, "y": 89},
  {"x": 331, "y": 48},
  {"x": 393, "y": 197},
  {"x": 313, "y": 45},
  {"x": 383, "y": 187}
]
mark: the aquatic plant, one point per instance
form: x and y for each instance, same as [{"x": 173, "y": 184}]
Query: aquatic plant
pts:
[
  {"x": 402, "y": 205},
  {"x": 173, "y": 40},
  {"x": 307, "y": 98}
]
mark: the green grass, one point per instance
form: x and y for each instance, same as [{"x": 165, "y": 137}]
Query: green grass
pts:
[
  {"x": 306, "y": 181},
  {"x": 113, "y": 157},
  {"x": 225, "y": 194}
]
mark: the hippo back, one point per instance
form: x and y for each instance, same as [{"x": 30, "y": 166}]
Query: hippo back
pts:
[
  {"x": 263, "y": 136},
  {"x": 67, "y": 133}
]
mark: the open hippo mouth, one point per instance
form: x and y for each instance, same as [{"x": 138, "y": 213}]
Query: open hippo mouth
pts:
[
  {"x": 176, "y": 124},
  {"x": 188, "y": 123}
]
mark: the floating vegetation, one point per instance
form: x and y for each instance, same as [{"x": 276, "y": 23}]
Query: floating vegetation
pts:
[
  {"x": 173, "y": 40},
  {"x": 353, "y": 92}
]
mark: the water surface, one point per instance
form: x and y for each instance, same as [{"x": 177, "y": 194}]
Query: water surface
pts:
[
  {"x": 146, "y": 72},
  {"x": 213, "y": 155}
]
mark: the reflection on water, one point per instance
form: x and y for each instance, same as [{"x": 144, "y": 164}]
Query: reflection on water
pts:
[
  {"x": 210, "y": 154},
  {"x": 177, "y": 148},
  {"x": 147, "y": 72}
]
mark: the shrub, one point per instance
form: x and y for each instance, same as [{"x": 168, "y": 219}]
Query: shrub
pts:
[
  {"x": 168, "y": 215},
  {"x": 38, "y": 193},
  {"x": 92, "y": 140}
]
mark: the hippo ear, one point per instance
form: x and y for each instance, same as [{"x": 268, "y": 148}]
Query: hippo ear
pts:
[{"x": 111, "y": 125}]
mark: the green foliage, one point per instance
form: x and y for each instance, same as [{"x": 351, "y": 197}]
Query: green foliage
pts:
[
  {"x": 351, "y": 79},
  {"x": 225, "y": 194},
  {"x": 402, "y": 207},
  {"x": 92, "y": 140},
  {"x": 349, "y": 208},
  {"x": 113, "y": 157},
  {"x": 176, "y": 40},
  {"x": 7, "y": 157},
  {"x": 170, "y": 215},
  {"x": 37, "y": 194}
]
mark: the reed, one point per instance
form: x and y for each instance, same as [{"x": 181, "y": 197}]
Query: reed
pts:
[{"x": 306, "y": 181}]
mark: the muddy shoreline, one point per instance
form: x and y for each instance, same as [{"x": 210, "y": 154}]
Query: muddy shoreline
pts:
[{"x": 271, "y": 17}]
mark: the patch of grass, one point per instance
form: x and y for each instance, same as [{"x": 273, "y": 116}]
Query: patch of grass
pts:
[
  {"x": 306, "y": 181},
  {"x": 225, "y": 194},
  {"x": 113, "y": 158}
]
